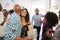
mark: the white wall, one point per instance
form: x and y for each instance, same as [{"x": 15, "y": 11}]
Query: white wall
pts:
[
  {"x": 8, "y": 4},
  {"x": 43, "y": 5}
]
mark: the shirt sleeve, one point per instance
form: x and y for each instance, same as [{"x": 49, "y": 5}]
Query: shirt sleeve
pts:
[
  {"x": 42, "y": 15},
  {"x": 11, "y": 31},
  {"x": 32, "y": 19},
  {"x": 1, "y": 17}
]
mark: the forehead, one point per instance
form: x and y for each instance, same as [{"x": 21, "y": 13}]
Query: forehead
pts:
[
  {"x": 23, "y": 10},
  {"x": 16, "y": 6},
  {"x": 36, "y": 9}
]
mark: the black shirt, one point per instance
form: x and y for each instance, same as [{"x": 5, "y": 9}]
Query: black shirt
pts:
[{"x": 24, "y": 31}]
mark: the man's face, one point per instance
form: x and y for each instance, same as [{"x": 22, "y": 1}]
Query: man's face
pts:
[
  {"x": 37, "y": 11},
  {"x": 0, "y": 7},
  {"x": 17, "y": 8}
]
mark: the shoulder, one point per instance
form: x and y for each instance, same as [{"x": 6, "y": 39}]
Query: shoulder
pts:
[
  {"x": 40, "y": 14},
  {"x": 14, "y": 16},
  {"x": 33, "y": 16}
]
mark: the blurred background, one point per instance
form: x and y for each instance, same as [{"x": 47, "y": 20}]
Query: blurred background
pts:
[{"x": 43, "y": 5}]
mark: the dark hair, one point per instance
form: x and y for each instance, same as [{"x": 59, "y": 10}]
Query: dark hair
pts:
[
  {"x": 4, "y": 10},
  {"x": 0, "y": 7},
  {"x": 27, "y": 15},
  {"x": 52, "y": 18},
  {"x": 11, "y": 11}
]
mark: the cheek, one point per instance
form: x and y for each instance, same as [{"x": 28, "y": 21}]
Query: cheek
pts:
[{"x": 23, "y": 14}]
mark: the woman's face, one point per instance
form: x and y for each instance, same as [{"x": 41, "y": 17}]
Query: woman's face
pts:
[{"x": 23, "y": 13}]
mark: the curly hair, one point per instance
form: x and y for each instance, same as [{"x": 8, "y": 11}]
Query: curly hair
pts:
[{"x": 52, "y": 18}]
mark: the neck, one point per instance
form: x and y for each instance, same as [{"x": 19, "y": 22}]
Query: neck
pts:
[
  {"x": 22, "y": 18},
  {"x": 18, "y": 12}
]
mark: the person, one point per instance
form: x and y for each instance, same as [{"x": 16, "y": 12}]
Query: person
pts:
[
  {"x": 3, "y": 23},
  {"x": 4, "y": 10},
  {"x": 50, "y": 20},
  {"x": 13, "y": 31},
  {"x": 25, "y": 22},
  {"x": 37, "y": 21}
]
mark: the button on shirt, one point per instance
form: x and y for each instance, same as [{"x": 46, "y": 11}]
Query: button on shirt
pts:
[
  {"x": 14, "y": 27},
  {"x": 37, "y": 20}
]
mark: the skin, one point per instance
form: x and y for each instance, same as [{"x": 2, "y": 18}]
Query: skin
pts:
[
  {"x": 17, "y": 9},
  {"x": 37, "y": 11},
  {"x": 23, "y": 14}
]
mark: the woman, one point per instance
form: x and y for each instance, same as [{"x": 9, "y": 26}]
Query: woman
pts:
[
  {"x": 51, "y": 20},
  {"x": 25, "y": 22}
]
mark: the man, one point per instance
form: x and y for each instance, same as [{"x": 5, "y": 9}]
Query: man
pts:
[
  {"x": 14, "y": 27},
  {"x": 37, "y": 21},
  {"x": 1, "y": 21},
  {"x": 13, "y": 30}
]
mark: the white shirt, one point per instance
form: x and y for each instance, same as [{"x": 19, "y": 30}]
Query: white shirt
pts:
[
  {"x": 1, "y": 17},
  {"x": 2, "y": 29}
]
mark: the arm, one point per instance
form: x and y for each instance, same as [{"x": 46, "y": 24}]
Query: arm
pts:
[
  {"x": 32, "y": 20},
  {"x": 10, "y": 33},
  {"x": 48, "y": 33}
]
